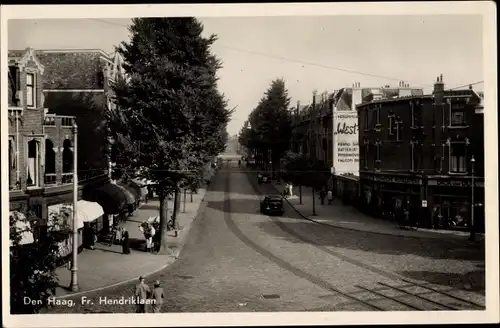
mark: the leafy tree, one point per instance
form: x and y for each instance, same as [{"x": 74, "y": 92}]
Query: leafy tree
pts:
[
  {"x": 269, "y": 126},
  {"x": 32, "y": 268},
  {"x": 171, "y": 119}
]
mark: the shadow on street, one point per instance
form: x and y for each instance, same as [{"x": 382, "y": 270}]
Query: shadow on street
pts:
[{"x": 474, "y": 279}]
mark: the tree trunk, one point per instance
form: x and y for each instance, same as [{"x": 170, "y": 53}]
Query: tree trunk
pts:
[
  {"x": 177, "y": 202},
  {"x": 163, "y": 222}
]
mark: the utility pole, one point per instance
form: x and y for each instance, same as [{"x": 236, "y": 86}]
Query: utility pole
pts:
[
  {"x": 312, "y": 128},
  {"x": 472, "y": 236},
  {"x": 74, "y": 266}
]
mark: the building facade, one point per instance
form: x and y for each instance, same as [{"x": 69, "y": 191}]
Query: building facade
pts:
[
  {"x": 41, "y": 146},
  {"x": 77, "y": 83},
  {"x": 419, "y": 152}
]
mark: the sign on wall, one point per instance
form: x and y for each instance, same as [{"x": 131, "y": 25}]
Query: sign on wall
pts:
[{"x": 345, "y": 142}]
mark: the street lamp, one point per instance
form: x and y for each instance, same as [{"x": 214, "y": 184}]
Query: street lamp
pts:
[
  {"x": 111, "y": 141},
  {"x": 472, "y": 236},
  {"x": 74, "y": 266}
]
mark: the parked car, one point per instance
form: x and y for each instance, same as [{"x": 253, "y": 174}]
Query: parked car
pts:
[
  {"x": 272, "y": 204},
  {"x": 264, "y": 178}
]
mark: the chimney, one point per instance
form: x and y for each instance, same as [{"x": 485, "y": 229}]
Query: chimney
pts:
[
  {"x": 356, "y": 96},
  {"x": 438, "y": 92}
]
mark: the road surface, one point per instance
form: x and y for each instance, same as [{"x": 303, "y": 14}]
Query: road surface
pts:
[{"x": 237, "y": 259}]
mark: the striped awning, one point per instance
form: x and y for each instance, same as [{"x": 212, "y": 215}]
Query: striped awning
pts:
[
  {"x": 86, "y": 212},
  {"x": 22, "y": 226}
]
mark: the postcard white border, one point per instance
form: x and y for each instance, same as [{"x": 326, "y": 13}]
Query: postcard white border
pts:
[{"x": 485, "y": 8}]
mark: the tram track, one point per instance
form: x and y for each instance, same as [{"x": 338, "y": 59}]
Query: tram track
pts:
[{"x": 431, "y": 299}]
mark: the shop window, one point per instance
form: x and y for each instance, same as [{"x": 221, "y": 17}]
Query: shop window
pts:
[
  {"x": 457, "y": 156},
  {"x": 33, "y": 172},
  {"x": 30, "y": 90}
]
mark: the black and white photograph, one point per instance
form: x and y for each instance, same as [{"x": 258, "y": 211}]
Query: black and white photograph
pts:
[{"x": 249, "y": 164}]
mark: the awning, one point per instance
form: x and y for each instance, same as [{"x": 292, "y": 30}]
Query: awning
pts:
[
  {"x": 22, "y": 226},
  {"x": 111, "y": 197},
  {"x": 128, "y": 194},
  {"x": 134, "y": 189},
  {"x": 87, "y": 212}
]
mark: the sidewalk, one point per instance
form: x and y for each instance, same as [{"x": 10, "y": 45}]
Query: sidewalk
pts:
[
  {"x": 106, "y": 266},
  {"x": 348, "y": 217}
]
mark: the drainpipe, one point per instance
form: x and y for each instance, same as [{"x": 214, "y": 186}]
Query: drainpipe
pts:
[{"x": 17, "y": 148}]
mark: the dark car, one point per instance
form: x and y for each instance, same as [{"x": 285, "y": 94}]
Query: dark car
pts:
[
  {"x": 264, "y": 178},
  {"x": 272, "y": 204}
]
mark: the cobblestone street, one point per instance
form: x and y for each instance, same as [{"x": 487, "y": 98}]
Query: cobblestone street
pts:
[{"x": 237, "y": 259}]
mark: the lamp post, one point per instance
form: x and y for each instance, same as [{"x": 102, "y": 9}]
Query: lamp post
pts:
[
  {"x": 472, "y": 236},
  {"x": 111, "y": 141},
  {"x": 74, "y": 266}
]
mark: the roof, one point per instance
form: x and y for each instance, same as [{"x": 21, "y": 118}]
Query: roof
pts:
[{"x": 381, "y": 101}]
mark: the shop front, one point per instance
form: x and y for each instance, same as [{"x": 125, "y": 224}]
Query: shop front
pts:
[{"x": 450, "y": 199}]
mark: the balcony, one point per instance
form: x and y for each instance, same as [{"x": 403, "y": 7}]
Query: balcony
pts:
[{"x": 58, "y": 121}]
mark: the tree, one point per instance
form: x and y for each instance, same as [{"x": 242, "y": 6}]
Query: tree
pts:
[
  {"x": 268, "y": 130},
  {"x": 32, "y": 267},
  {"x": 171, "y": 119}
]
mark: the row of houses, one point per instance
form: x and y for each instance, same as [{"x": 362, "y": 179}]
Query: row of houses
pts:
[
  {"x": 394, "y": 146},
  {"x": 53, "y": 95}
]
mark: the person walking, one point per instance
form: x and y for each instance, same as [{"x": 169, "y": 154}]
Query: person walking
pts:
[
  {"x": 330, "y": 197},
  {"x": 142, "y": 292},
  {"x": 157, "y": 297},
  {"x": 322, "y": 195},
  {"x": 125, "y": 241}
]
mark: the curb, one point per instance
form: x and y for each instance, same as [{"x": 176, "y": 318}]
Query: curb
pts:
[
  {"x": 173, "y": 257},
  {"x": 358, "y": 230}
]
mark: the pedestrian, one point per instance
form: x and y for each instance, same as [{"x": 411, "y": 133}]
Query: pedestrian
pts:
[
  {"x": 152, "y": 235},
  {"x": 157, "y": 297},
  {"x": 322, "y": 195},
  {"x": 330, "y": 197},
  {"x": 125, "y": 241},
  {"x": 142, "y": 292}
]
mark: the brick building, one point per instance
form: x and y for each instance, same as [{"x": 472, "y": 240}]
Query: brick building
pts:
[
  {"x": 41, "y": 155},
  {"x": 77, "y": 83},
  {"x": 316, "y": 135},
  {"x": 417, "y": 150}
]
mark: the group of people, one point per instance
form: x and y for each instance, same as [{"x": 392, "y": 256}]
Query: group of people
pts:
[
  {"x": 148, "y": 296},
  {"x": 122, "y": 237},
  {"x": 323, "y": 193},
  {"x": 150, "y": 229}
]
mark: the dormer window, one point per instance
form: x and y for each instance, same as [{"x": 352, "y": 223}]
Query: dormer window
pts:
[{"x": 30, "y": 90}]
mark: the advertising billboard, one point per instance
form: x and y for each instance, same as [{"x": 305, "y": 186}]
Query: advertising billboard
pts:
[{"x": 345, "y": 142}]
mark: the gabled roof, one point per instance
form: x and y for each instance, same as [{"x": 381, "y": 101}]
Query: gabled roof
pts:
[{"x": 22, "y": 57}]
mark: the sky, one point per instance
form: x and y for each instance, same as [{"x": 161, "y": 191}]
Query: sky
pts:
[{"x": 322, "y": 53}]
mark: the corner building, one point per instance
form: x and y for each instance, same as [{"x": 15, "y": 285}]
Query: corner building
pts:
[{"x": 421, "y": 150}]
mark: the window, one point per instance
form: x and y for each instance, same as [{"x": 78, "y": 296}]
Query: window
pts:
[
  {"x": 413, "y": 158},
  {"x": 33, "y": 172},
  {"x": 378, "y": 143},
  {"x": 366, "y": 119},
  {"x": 457, "y": 155},
  {"x": 391, "y": 124},
  {"x": 457, "y": 114},
  {"x": 30, "y": 90},
  {"x": 414, "y": 114},
  {"x": 377, "y": 115},
  {"x": 365, "y": 150},
  {"x": 457, "y": 118},
  {"x": 399, "y": 129}
]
